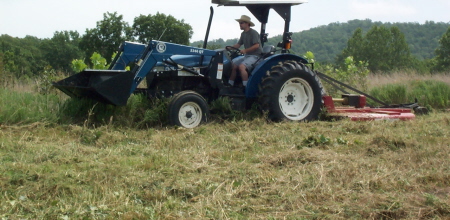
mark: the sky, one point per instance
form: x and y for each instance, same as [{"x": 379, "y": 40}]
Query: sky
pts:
[{"x": 41, "y": 18}]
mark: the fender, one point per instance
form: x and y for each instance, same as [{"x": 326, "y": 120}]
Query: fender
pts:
[{"x": 261, "y": 69}]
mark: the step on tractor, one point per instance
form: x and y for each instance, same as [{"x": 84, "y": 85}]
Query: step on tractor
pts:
[{"x": 283, "y": 84}]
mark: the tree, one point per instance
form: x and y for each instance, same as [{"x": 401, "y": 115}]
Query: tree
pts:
[
  {"x": 2, "y": 66},
  {"x": 161, "y": 27},
  {"x": 376, "y": 48},
  {"x": 21, "y": 56},
  {"x": 443, "y": 53},
  {"x": 61, "y": 49},
  {"x": 399, "y": 49},
  {"x": 354, "y": 48},
  {"x": 384, "y": 49},
  {"x": 106, "y": 37}
]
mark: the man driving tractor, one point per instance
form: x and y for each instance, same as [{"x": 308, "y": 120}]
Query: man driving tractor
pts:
[{"x": 252, "y": 52}]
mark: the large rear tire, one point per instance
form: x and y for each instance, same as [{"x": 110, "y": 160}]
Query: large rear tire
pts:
[
  {"x": 188, "y": 109},
  {"x": 291, "y": 91}
]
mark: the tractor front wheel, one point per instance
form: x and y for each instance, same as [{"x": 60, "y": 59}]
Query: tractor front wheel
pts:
[
  {"x": 188, "y": 109},
  {"x": 291, "y": 91}
]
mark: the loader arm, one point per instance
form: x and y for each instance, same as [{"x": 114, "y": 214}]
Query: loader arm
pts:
[
  {"x": 160, "y": 52},
  {"x": 128, "y": 53}
]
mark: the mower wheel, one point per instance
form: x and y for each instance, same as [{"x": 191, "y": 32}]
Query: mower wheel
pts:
[
  {"x": 188, "y": 109},
  {"x": 291, "y": 91}
]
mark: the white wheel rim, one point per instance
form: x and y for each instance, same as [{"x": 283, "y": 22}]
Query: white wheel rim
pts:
[
  {"x": 190, "y": 115},
  {"x": 296, "y": 99}
]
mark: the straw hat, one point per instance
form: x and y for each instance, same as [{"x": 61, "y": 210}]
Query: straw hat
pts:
[{"x": 247, "y": 19}]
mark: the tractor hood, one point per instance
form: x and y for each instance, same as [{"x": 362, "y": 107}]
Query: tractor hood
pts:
[{"x": 191, "y": 60}]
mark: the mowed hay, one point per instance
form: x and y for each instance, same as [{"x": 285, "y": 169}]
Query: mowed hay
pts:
[{"x": 250, "y": 169}]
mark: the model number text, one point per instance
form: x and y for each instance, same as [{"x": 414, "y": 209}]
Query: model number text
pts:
[{"x": 197, "y": 51}]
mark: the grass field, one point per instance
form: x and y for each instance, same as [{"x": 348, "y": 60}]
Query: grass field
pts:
[
  {"x": 240, "y": 170},
  {"x": 231, "y": 169}
]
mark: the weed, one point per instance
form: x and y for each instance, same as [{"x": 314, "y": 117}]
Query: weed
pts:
[
  {"x": 44, "y": 81},
  {"x": 389, "y": 143},
  {"x": 316, "y": 140}
]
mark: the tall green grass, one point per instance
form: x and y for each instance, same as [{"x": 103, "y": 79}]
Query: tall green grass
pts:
[
  {"x": 25, "y": 108},
  {"x": 22, "y": 107},
  {"x": 139, "y": 112},
  {"x": 433, "y": 93},
  {"x": 429, "y": 93}
]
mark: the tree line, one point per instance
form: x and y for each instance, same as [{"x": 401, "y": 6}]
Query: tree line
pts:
[
  {"x": 383, "y": 46},
  {"x": 329, "y": 40},
  {"x": 30, "y": 55}
]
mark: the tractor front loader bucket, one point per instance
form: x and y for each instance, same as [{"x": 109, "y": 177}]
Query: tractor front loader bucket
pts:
[{"x": 107, "y": 86}]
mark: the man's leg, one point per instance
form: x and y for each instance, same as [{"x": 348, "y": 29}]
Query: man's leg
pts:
[
  {"x": 246, "y": 64},
  {"x": 233, "y": 75},
  {"x": 236, "y": 62},
  {"x": 244, "y": 74}
]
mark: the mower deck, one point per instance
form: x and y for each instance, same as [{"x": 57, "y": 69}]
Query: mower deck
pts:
[{"x": 362, "y": 113}]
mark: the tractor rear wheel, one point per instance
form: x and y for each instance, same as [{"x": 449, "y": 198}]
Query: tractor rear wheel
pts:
[
  {"x": 291, "y": 91},
  {"x": 188, "y": 109}
]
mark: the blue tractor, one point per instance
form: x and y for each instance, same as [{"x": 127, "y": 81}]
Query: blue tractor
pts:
[{"x": 281, "y": 83}]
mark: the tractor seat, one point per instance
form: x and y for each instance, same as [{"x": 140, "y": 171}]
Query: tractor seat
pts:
[{"x": 267, "y": 51}]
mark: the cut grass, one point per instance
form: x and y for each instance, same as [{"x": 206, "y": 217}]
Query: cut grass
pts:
[{"x": 233, "y": 170}]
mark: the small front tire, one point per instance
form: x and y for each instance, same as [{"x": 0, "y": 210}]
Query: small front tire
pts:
[{"x": 188, "y": 109}]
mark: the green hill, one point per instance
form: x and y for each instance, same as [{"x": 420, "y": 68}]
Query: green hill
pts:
[{"x": 329, "y": 40}]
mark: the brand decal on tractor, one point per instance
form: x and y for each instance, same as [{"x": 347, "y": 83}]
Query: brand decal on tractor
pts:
[{"x": 161, "y": 47}]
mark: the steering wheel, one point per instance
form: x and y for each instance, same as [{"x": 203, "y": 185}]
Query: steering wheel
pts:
[{"x": 233, "y": 51}]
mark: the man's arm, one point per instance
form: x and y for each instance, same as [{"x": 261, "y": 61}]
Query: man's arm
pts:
[{"x": 250, "y": 49}]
